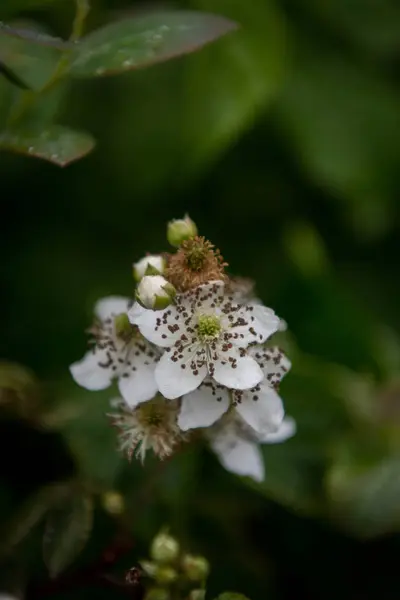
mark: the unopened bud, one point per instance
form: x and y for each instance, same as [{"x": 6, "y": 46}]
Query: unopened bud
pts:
[
  {"x": 150, "y": 568},
  {"x": 155, "y": 292},
  {"x": 165, "y": 575},
  {"x": 153, "y": 264},
  {"x": 197, "y": 595},
  {"x": 157, "y": 594},
  {"x": 196, "y": 568},
  {"x": 113, "y": 503},
  {"x": 165, "y": 548},
  {"x": 180, "y": 230}
]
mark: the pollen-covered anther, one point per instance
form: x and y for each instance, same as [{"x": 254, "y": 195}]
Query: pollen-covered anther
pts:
[{"x": 196, "y": 262}]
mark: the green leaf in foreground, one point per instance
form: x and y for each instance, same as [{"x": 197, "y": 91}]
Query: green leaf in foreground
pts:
[
  {"x": 145, "y": 40},
  {"x": 33, "y": 36},
  {"x": 67, "y": 530},
  {"x": 56, "y": 144}
]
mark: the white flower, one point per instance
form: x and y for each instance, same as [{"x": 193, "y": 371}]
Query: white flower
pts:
[
  {"x": 238, "y": 446},
  {"x": 260, "y": 407},
  {"x": 151, "y": 425},
  {"x": 152, "y": 262},
  {"x": 119, "y": 352},
  {"x": 206, "y": 333},
  {"x": 155, "y": 292}
]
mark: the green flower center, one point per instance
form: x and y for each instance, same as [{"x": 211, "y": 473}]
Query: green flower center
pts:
[
  {"x": 196, "y": 255},
  {"x": 208, "y": 327},
  {"x": 153, "y": 413}
]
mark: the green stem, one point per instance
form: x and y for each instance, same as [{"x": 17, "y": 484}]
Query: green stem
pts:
[{"x": 30, "y": 97}]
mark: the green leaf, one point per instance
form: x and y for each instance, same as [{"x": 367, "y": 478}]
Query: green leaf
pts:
[
  {"x": 363, "y": 485},
  {"x": 187, "y": 112},
  {"x": 56, "y": 144},
  {"x": 67, "y": 529},
  {"x": 30, "y": 514},
  {"x": 145, "y": 40},
  {"x": 32, "y": 36}
]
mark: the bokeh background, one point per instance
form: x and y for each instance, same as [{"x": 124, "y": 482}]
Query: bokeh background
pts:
[{"x": 282, "y": 142}]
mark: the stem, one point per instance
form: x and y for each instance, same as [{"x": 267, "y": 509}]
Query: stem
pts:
[{"x": 30, "y": 97}]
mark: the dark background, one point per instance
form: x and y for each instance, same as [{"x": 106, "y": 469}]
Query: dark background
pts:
[{"x": 282, "y": 142}]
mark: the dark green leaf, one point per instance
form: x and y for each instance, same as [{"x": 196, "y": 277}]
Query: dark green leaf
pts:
[
  {"x": 231, "y": 596},
  {"x": 55, "y": 144},
  {"x": 33, "y": 37},
  {"x": 67, "y": 529},
  {"x": 145, "y": 40},
  {"x": 30, "y": 514}
]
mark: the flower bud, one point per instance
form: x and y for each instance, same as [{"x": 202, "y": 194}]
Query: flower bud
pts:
[
  {"x": 165, "y": 575},
  {"x": 196, "y": 568},
  {"x": 155, "y": 292},
  {"x": 150, "y": 568},
  {"x": 180, "y": 230},
  {"x": 113, "y": 503},
  {"x": 157, "y": 594},
  {"x": 153, "y": 264},
  {"x": 197, "y": 595},
  {"x": 165, "y": 548}
]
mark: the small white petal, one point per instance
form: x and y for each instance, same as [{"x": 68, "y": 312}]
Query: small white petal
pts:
[
  {"x": 266, "y": 322},
  {"x": 89, "y": 374},
  {"x": 174, "y": 381},
  {"x": 203, "y": 407},
  {"x": 155, "y": 325},
  {"x": 273, "y": 362},
  {"x": 139, "y": 386},
  {"x": 241, "y": 374},
  {"x": 262, "y": 409},
  {"x": 286, "y": 430},
  {"x": 211, "y": 293},
  {"x": 239, "y": 456},
  {"x": 112, "y": 305}
]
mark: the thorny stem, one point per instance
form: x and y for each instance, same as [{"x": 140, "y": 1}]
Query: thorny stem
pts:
[{"x": 30, "y": 97}]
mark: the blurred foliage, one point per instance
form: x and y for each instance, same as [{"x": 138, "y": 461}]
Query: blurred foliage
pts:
[{"x": 281, "y": 141}]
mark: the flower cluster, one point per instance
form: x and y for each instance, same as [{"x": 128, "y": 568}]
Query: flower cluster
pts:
[{"x": 191, "y": 351}]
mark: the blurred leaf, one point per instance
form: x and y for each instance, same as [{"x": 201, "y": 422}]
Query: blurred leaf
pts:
[
  {"x": 67, "y": 529},
  {"x": 30, "y": 514},
  {"x": 31, "y": 37},
  {"x": 145, "y": 40},
  {"x": 364, "y": 485},
  {"x": 55, "y": 144},
  {"x": 19, "y": 390},
  {"x": 189, "y": 111},
  {"x": 90, "y": 436},
  {"x": 12, "y": 77},
  {"x": 340, "y": 120}
]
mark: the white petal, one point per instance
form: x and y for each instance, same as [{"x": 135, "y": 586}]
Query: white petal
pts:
[
  {"x": 90, "y": 374},
  {"x": 273, "y": 362},
  {"x": 112, "y": 305},
  {"x": 239, "y": 373},
  {"x": 206, "y": 297},
  {"x": 203, "y": 407},
  {"x": 173, "y": 380},
  {"x": 155, "y": 325},
  {"x": 261, "y": 408},
  {"x": 266, "y": 321},
  {"x": 239, "y": 456},
  {"x": 286, "y": 430},
  {"x": 138, "y": 386}
]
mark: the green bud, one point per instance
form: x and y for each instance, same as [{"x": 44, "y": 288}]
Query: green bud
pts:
[
  {"x": 197, "y": 595},
  {"x": 165, "y": 575},
  {"x": 157, "y": 594},
  {"x": 180, "y": 230},
  {"x": 150, "y": 568},
  {"x": 196, "y": 568},
  {"x": 153, "y": 264},
  {"x": 165, "y": 548},
  {"x": 231, "y": 596},
  {"x": 113, "y": 503},
  {"x": 155, "y": 292}
]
